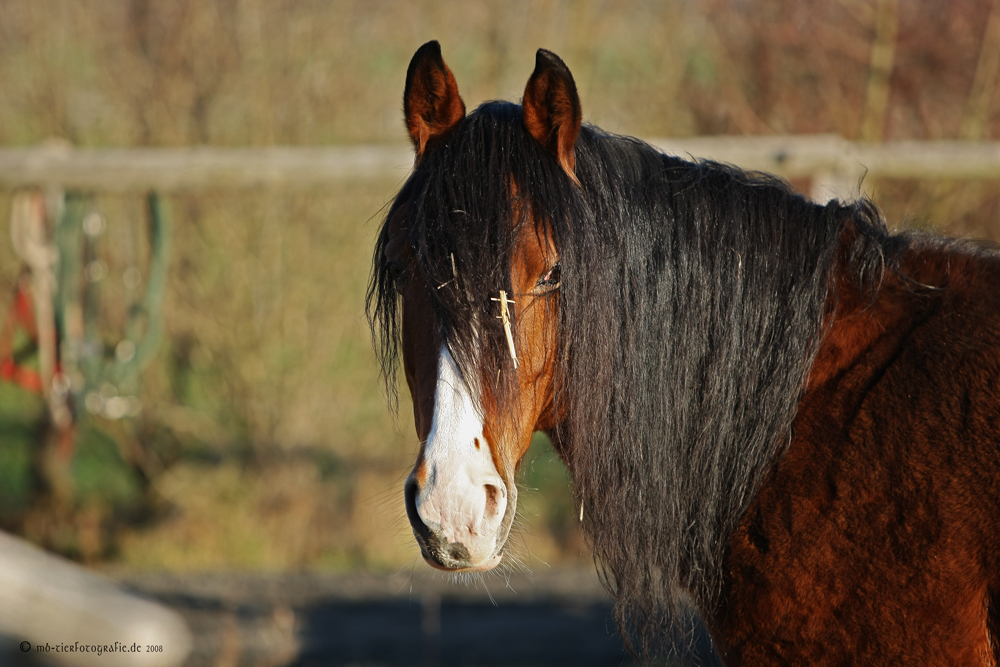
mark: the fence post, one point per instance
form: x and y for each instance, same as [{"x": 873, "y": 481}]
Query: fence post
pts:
[
  {"x": 829, "y": 185},
  {"x": 843, "y": 179}
]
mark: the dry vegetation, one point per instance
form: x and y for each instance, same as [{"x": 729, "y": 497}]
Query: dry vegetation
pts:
[{"x": 264, "y": 436}]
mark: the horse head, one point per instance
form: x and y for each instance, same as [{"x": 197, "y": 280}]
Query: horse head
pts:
[{"x": 476, "y": 316}]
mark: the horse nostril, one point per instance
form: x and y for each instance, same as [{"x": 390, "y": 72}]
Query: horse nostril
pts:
[
  {"x": 410, "y": 491},
  {"x": 493, "y": 496}
]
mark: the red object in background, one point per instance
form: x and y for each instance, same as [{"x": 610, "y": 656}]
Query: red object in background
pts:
[{"x": 21, "y": 314}]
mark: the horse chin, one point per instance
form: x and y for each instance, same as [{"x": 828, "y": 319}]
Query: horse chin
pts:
[{"x": 489, "y": 564}]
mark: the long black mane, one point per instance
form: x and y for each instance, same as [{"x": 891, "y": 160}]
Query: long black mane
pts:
[{"x": 692, "y": 303}]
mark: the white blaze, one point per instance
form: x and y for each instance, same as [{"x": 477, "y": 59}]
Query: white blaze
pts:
[{"x": 463, "y": 498}]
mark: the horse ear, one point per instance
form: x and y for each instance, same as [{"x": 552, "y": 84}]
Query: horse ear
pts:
[
  {"x": 431, "y": 103},
  {"x": 551, "y": 109}
]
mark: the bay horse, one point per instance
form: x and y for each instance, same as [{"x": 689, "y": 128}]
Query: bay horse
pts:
[{"x": 776, "y": 410}]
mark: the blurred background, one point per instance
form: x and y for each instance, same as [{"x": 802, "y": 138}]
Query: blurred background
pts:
[{"x": 254, "y": 438}]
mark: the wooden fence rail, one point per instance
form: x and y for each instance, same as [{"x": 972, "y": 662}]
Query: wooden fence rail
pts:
[{"x": 832, "y": 162}]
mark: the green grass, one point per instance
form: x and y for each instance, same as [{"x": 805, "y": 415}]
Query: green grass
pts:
[
  {"x": 21, "y": 416},
  {"x": 100, "y": 473}
]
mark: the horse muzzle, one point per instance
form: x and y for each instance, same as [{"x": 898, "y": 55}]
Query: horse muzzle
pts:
[{"x": 460, "y": 523}]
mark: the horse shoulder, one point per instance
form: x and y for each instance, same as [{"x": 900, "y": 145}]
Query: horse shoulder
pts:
[{"x": 874, "y": 540}]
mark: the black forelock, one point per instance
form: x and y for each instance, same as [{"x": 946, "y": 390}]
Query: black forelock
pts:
[
  {"x": 691, "y": 306},
  {"x": 464, "y": 206}
]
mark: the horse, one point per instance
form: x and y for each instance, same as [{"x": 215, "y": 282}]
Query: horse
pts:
[{"x": 772, "y": 409}]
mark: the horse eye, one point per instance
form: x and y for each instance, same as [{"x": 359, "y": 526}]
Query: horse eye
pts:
[
  {"x": 397, "y": 274},
  {"x": 550, "y": 280}
]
